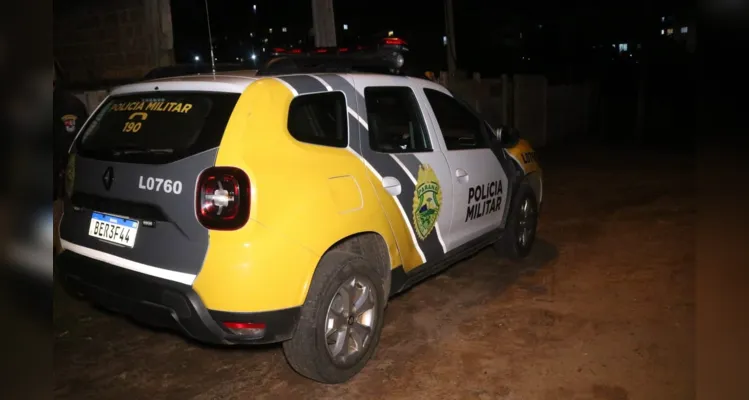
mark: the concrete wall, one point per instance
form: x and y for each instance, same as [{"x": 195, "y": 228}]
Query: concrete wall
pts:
[
  {"x": 530, "y": 107},
  {"x": 544, "y": 114},
  {"x": 485, "y": 96},
  {"x": 570, "y": 110},
  {"x": 91, "y": 98},
  {"x": 109, "y": 41}
]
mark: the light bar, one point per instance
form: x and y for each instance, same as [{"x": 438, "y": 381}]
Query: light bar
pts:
[
  {"x": 384, "y": 61},
  {"x": 386, "y": 56},
  {"x": 394, "y": 43}
]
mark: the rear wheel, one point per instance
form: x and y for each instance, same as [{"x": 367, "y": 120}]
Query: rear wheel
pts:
[
  {"x": 520, "y": 231},
  {"x": 341, "y": 320}
]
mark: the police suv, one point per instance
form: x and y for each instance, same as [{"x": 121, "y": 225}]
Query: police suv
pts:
[{"x": 288, "y": 204}]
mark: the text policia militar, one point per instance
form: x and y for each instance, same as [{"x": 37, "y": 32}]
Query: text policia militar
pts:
[
  {"x": 153, "y": 106},
  {"x": 484, "y": 199}
]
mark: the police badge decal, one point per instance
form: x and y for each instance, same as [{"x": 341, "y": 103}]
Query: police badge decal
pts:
[
  {"x": 427, "y": 201},
  {"x": 69, "y": 121}
]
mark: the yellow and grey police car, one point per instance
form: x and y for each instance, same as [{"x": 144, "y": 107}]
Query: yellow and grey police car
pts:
[{"x": 287, "y": 204}]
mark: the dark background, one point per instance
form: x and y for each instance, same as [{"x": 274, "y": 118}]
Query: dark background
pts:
[
  {"x": 491, "y": 37},
  {"x": 566, "y": 41}
]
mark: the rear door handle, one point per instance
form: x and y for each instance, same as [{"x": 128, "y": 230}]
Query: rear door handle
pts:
[
  {"x": 392, "y": 185},
  {"x": 462, "y": 175}
]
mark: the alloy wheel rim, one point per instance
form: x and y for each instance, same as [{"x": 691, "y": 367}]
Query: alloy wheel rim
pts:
[
  {"x": 526, "y": 223},
  {"x": 350, "y": 320}
]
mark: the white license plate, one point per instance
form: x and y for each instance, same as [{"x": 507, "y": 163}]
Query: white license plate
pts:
[{"x": 113, "y": 229}]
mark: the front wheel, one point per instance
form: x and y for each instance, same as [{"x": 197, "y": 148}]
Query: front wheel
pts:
[
  {"x": 340, "y": 322},
  {"x": 520, "y": 231}
]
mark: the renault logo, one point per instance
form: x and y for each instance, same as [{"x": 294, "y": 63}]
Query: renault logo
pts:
[{"x": 108, "y": 178}]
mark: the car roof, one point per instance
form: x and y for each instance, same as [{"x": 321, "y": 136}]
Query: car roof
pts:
[
  {"x": 237, "y": 81},
  {"x": 219, "y": 75},
  {"x": 191, "y": 69},
  {"x": 229, "y": 81}
]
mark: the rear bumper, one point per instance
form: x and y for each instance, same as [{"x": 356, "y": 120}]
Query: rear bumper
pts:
[{"x": 162, "y": 303}]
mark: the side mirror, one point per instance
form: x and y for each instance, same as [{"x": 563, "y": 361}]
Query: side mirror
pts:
[
  {"x": 506, "y": 136},
  {"x": 498, "y": 132}
]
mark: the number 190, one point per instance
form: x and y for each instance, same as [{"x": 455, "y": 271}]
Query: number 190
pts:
[{"x": 132, "y": 127}]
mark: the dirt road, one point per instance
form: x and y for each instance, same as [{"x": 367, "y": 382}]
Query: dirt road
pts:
[{"x": 603, "y": 309}]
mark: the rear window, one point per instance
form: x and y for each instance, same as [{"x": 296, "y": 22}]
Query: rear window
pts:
[
  {"x": 319, "y": 118},
  {"x": 157, "y": 126}
]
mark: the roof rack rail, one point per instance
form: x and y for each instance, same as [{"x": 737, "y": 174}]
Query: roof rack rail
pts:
[{"x": 384, "y": 61}]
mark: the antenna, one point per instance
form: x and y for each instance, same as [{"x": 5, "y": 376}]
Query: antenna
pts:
[{"x": 210, "y": 38}]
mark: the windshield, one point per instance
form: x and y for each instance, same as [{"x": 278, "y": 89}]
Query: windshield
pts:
[{"x": 159, "y": 126}]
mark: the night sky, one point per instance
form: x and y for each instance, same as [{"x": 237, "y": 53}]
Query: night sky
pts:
[{"x": 550, "y": 29}]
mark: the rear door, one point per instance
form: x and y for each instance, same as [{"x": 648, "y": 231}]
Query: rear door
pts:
[
  {"x": 133, "y": 183},
  {"x": 479, "y": 181}
]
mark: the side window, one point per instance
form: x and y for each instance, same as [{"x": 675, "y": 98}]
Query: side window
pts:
[
  {"x": 396, "y": 124},
  {"x": 319, "y": 118},
  {"x": 460, "y": 127}
]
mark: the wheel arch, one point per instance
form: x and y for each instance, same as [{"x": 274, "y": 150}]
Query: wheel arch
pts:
[
  {"x": 371, "y": 246},
  {"x": 536, "y": 183},
  {"x": 532, "y": 179}
]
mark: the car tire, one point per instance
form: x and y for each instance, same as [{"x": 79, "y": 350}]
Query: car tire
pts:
[
  {"x": 520, "y": 232},
  {"x": 328, "y": 321}
]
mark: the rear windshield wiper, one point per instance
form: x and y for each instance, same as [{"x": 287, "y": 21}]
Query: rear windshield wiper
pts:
[{"x": 134, "y": 150}]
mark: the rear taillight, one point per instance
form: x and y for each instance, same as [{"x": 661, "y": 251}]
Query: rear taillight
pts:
[{"x": 223, "y": 198}]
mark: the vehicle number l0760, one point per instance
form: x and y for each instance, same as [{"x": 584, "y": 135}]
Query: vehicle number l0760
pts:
[{"x": 160, "y": 185}]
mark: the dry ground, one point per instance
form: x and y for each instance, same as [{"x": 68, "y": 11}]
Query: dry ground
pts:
[{"x": 603, "y": 309}]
